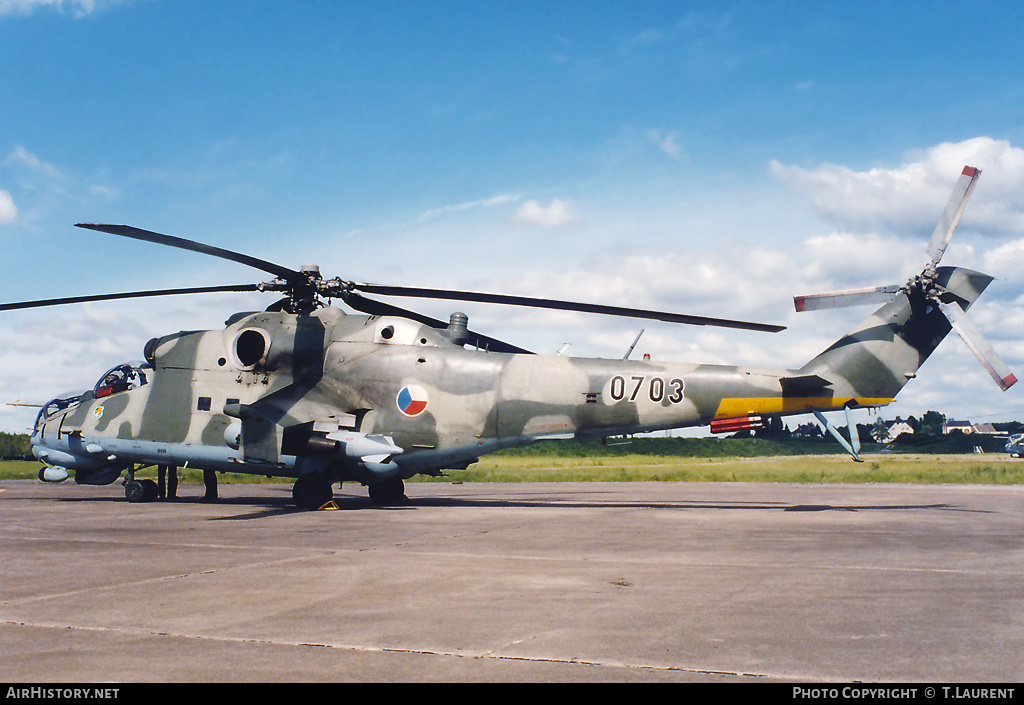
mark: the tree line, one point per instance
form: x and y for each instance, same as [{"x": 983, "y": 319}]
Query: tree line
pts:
[
  {"x": 14, "y": 445},
  {"x": 931, "y": 423}
]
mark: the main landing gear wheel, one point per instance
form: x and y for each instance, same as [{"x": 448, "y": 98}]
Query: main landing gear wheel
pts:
[
  {"x": 388, "y": 493},
  {"x": 140, "y": 490},
  {"x": 312, "y": 492}
]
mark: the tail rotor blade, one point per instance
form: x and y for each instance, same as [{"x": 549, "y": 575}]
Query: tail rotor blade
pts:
[
  {"x": 979, "y": 346},
  {"x": 951, "y": 216},
  {"x": 843, "y": 299}
]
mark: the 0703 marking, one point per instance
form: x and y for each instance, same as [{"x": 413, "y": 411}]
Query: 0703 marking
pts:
[{"x": 629, "y": 389}]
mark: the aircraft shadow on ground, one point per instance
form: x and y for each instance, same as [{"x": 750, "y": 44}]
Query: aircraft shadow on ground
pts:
[
  {"x": 265, "y": 507},
  {"x": 281, "y": 503}
]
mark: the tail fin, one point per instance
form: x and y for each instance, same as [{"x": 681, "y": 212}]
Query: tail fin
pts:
[
  {"x": 885, "y": 352},
  {"x": 876, "y": 359}
]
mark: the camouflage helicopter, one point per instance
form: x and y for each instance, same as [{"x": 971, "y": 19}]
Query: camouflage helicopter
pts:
[{"x": 306, "y": 391}]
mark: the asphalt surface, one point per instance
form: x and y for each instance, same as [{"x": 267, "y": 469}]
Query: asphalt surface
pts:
[{"x": 516, "y": 582}]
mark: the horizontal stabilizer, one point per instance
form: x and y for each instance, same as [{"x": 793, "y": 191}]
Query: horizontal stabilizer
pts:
[{"x": 804, "y": 385}]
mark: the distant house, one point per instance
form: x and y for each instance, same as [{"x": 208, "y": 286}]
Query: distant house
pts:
[
  {"x": 950, "y": 425},
  {"x": 898, "y": 427},
  {"x": 968, "y": 427},
  {"x": 808, "y": 430},
  {"x": 885, "y": 431}
]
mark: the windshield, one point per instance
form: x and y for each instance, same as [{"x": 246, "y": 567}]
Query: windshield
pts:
[
  {"x": 64, "y": 401},
  {"x": 122, "y": 378}
]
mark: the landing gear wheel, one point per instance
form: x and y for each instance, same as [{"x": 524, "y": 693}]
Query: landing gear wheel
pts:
[
  {"x": 140, "y": 490},
  {"x": 150, "y": 491},
  {"x": 388, "y": 493},
  {"x": 312, "y": 492},
  {"x": 134, "y": 491}
]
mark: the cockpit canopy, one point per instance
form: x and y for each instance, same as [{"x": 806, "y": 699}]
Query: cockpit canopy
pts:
[
  {"x": 125, "y": 376},
  {"x": 128, "y": 375},
  {"x": 60, "y": 403}
]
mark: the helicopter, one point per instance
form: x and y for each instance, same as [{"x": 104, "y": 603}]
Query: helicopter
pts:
[{"x": 307, "y": 391}]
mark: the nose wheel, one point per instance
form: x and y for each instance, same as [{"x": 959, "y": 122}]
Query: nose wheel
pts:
[
  {"x": 388, "y": 493},
  {"x": 312, "y": 491},
  {"x": 136, "y": 491}
]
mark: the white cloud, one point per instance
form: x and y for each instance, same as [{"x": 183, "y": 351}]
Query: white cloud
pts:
[
  {"x": 78, "y": 8},
  {"x": 910, "y": 198},
  {"x": 667, "y": 143},
  {"x": 721, "y": 283},
  {"x": 554, "y": 215},
  {"x": 854, "y": 259},
  {"x": 45, "y": 187},
  {"x": 482, "y": 203},
  {"x": 22, "y": 156},
  {"x": 8, "y": 211},
  {"x": 1006, "y": 262}
]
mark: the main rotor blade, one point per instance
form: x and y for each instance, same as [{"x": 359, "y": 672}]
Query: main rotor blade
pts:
[
  {"x": 564, "y": 306},
  {"x": 848, "y": 297},
  {"x": 183, "y": 244},
  {"x": 951, "y": 216},
  {"x": 979, "y": 346},
  {"x": 379, "y": 308},
  {"x": 126, "y": 295}
]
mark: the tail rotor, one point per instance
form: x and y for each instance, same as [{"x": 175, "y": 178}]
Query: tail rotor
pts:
[{"x": 927, "y": 288}]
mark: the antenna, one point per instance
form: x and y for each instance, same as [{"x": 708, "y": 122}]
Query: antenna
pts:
[{"x": 635, "y": 341}]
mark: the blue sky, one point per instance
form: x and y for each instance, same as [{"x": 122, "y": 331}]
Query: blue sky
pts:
[{"x": 710, "y": 158}]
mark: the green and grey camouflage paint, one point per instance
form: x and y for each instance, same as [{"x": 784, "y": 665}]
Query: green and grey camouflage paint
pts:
[{"x": 373, "y": 398}]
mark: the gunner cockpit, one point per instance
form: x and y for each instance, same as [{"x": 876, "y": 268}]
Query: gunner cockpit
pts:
[{"x": 67, "y": 400}]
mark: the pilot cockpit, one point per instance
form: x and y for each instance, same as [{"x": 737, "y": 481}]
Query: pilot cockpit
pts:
[
  {"x": 67, "y": 400},
  {"x": 122, "y": 378}
]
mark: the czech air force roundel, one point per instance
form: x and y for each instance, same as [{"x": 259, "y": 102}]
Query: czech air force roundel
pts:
[{"x": 412, "y": 400}]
